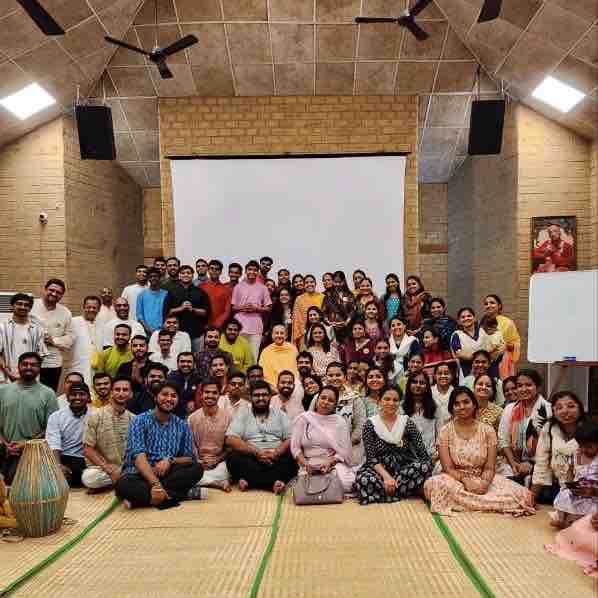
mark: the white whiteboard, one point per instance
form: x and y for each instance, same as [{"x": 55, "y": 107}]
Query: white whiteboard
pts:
[
  {"x": 563, "y": 316},
  {"x": 311, "y": 215}
]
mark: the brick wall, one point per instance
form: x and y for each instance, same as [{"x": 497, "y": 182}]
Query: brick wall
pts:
[
  {"x": 274, "y": 125},
  {"x": 433, "y": 237},
  {"x": 152, "y": 224},
  {"x": 94, "y": 236},
  {"x": 594, "y": 203},
  {"x": 32, "y": 180},
  {"x": 544, "y": 170},
  {"x": 482, "y": 226},
  {"x": 104, "y": 222},
  {"x": 554, "y": 180}
]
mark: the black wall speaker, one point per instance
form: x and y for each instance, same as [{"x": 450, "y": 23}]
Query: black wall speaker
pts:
[
  {"x": 485, "y": 127},
  {"x": 96, "y": 134}
]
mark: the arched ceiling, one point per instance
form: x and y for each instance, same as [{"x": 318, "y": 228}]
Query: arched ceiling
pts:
[{"x": 288, "y": 47}]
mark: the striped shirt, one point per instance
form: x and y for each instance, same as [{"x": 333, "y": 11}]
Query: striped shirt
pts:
[
  {"x": 157, "y": 441},
  {"x": 13, "y": 343}
]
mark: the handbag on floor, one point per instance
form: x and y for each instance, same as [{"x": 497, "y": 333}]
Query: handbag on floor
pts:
[{"x": 318, "y": 489}]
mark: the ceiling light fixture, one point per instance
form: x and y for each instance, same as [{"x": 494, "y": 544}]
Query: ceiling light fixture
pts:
[
  {"x": 557, "y": 94},
  {"x": 28, "y": 101}
]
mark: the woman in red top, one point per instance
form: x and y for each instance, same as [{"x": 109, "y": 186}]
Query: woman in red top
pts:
[{"x": 432, "y": 351}]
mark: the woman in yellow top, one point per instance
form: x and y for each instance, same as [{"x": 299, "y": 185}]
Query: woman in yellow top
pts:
[
  {"x": 303, "y": 302},
  {"x": 278, "y": 356},
  {"x": 510, "y": 334}
]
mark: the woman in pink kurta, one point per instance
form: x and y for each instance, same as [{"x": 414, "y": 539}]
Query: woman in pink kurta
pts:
[
  {"x": 321, "y": 440},
  {"x": 467, "y": 450}
]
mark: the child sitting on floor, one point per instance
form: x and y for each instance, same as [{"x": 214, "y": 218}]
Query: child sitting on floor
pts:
[{"x": 580, "y": 497}]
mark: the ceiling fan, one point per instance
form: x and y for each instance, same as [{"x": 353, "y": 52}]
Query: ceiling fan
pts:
[
  {"x": 490, "y": 10},
  {"x": 41, "y": 17},
  {"x": 158, "y": 55},
  {"x": 406, "y": 19}
]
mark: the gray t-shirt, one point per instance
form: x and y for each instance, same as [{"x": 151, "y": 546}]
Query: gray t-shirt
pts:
[{"x": 263, "y": 433}]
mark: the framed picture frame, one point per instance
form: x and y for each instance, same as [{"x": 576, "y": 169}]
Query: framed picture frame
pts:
[{"x": 553, "y": 244}]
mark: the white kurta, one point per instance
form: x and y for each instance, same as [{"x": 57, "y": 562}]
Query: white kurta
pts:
[
  {"x": 88, "y": 338},
  {"x": 180, "y": 343},
  {"x": 130, "y": 293}
]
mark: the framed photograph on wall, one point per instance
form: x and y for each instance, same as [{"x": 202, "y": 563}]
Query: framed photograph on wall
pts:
[{"x": 554, "y": 244}]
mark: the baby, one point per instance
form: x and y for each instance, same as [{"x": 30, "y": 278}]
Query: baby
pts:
[{"x": 580, "y": 497}]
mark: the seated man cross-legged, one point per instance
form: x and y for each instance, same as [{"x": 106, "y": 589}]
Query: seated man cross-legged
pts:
[
  {"x": 105, "y": 438},
  {"x": 208, "y": 425},
  {"x": 160, "y": 467},
  {"x": 259, "y": 440}
]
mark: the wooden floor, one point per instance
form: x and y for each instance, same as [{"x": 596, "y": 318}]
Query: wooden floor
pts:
[{"x": 253, "y": 544}]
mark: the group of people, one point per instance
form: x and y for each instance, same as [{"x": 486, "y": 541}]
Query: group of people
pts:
[{"x": 186, "y": 382}]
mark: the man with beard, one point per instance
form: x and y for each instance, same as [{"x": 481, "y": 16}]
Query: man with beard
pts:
[
  {"x": 145, "y": 400},
  {"x": 201, "y": 266},
  {"x": 160, "y": 467},
  {"x": 265, "y": 267},
  {"x": 134, "y": 370},
  {"x": 160, "y": 265},
  {"x": 105, "y": 438},
  {"x": 107, "y": 311},
  {"x": 121, "y": 306},
  {"x": 234, "y": 274},
  {"x": 25, "y": 406},
  {"x": 188, "y": 381},
  {"x": 208, "y": 426},
  {"x": 88, "y": 337},
  {"x": 238, "y": 346},
  {"x": 150, "y": 303},
  {"x": 19, "y": 334},
  {"x": 70, "y": 379},
  {"x": 219, "y": 371},
  {"x": 191, "y": 305},
  {"x": 132, "y": 291},
  {"x": 287, "y": 400},
  {"x": 109, "y": 360},
  {"x": 203, "y": 359},
  {"x": 180, "y": 340},
  {"x": 102, "y": 387},
  {"x": 173, "y": 265},
  {"x": 64, "y": 433},
  {"x": 259, "y": 442},
  {"x": 56, "y": 320},
  {"x": 255, "y": 373}
]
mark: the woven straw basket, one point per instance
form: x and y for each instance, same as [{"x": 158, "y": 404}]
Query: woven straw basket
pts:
[{"x": 39, "y": 491}]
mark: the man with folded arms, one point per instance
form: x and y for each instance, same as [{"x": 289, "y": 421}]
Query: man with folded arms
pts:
[
  {"x": 160, "y": 466},
  {"x": 64, "y": 433},
  {"x": 208, "y": 425},
  {"x": 105, "y": 439},
  {"x": 259, "y": 440}
]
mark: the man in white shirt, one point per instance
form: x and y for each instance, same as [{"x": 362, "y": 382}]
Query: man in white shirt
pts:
[
  {"x": 19, "y": 334},
  {"x": 107, "y": 312},
  {"x": 64, "y": 433},
  {"x": 121, "y": 305},
  {"x": 132, "y": 291},
  {"x": 165, "y": 355},
  {"x": 56, "y": 321},
  {"x": 88, "y": 336},
  {"x": 181, "y": 342}
]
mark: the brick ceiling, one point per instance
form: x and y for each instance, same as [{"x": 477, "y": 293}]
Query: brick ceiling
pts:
[{"x": 288, "y": 47}]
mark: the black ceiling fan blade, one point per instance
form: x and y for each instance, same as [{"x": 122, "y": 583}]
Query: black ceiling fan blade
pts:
[
  {"x": 179, "y": 45},
  {"x": 418, "y": 7},
  {"x": 417, "y": 31},
  {"x": 376, "y": 19},
  {"x": 163, "y": 69},
  {"x": 122, "y": 44},
  {"x": 490, "y": 11},
  {"x": 41, "y": 17}
]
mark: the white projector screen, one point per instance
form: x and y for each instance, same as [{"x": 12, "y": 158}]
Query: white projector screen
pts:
[{"x": 311, "y": 215}]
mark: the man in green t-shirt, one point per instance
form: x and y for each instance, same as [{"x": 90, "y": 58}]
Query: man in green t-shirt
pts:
[{"x": 25, "y": 406}]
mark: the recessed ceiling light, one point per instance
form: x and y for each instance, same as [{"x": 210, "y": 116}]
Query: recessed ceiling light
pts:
[
  {"x": 28, "y": 101},
  {"x": 557, "y": 94}
]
